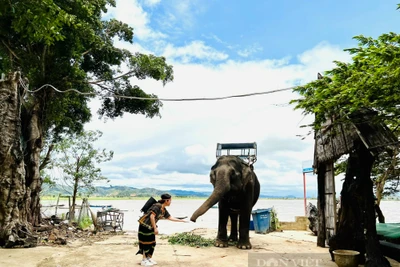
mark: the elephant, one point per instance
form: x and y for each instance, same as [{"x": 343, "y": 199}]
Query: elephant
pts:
[{"x": 236, "y": 189}]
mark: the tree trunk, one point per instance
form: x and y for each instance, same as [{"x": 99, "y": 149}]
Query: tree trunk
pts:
[
  {"x": 381, "y": 181},
  {"x": 379, "y": 191},
  {"x": 15, "y": 230},
  {"x": 74, "y": 193},
  {"x": 378, "y": 211},
  {"x": 375, "y": 257},
  {"x": 357, "y": 212},
  {"x": 350, "y": 232},
  {"x": 33, "y": 137}
]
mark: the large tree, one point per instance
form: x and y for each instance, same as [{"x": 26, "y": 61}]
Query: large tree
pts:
[
  {"x": 57, "y": 46},
  {"x": 370, "y": 82}
]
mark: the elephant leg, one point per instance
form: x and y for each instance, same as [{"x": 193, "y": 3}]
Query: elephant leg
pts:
[
  {"x": 244, "y": 225},
  {"x": 222, "y": 237},
  {"x": 244, "y": 220},
  {"x": 234, "y": 230}
]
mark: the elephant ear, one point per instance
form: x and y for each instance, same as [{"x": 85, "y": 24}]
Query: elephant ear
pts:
[
  {"x": 212, "y": 177},
  {"x": 248, "y": 175}
]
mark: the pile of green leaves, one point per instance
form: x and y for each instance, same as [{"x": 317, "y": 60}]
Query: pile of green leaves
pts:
[{"x": 190, "y": 239}]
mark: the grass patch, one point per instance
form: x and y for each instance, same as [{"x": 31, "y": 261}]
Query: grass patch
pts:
[{"x": 190, "y": 239}]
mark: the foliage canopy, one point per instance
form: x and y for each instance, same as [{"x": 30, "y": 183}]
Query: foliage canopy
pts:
[
  {"x": 370, "y": 81},
  {"x": 67, "y": 44},
  {"x": 79, "y": 160}
]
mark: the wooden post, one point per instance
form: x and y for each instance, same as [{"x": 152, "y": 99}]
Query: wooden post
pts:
[
  {"x": 305, "y": 194},
  {"x": 326, "y": 203},
  {"x": 330, "y": 201},
  {"x": 58, "y": 199},
  {"x": 71, "y": 216},
  {"x": 84, "y": 203},
  {"x": 321, "y": 205}
]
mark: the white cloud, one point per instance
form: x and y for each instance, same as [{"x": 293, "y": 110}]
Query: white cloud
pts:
[
  {"x": 179, "y": 16},
  {"x": 185, "y": 10},
  {"x": 193, "y": 51},
  {"x": 323, "y": 53},
  {"x": 248, "y": 51},
  {"x": 131, "y": 12},
  {"x": 195, "y": 150},
  {"x": 151, "y": 3}
]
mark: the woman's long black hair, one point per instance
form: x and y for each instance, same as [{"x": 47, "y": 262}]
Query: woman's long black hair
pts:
[{"x": 164, "y": 197}]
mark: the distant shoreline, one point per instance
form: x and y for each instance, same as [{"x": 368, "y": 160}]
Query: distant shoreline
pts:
[
  {"x": 176, "y": 197},
  {"x": 145, "y": 198}
]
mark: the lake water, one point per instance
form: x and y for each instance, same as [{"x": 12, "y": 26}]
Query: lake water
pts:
[{"x": 286, "y": 210}]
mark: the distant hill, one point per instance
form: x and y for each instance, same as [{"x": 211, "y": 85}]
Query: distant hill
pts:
[
  {"x": 185, "y": 193},
  {"x": 122, "y": 191},
  {"x": 128, "y": 191}
]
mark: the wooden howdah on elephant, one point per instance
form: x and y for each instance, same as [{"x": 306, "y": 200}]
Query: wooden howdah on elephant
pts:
[{"x": 236, "y": 189}]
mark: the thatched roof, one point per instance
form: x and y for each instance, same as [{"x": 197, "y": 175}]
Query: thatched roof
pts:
[{"x": 338, "y": 138}]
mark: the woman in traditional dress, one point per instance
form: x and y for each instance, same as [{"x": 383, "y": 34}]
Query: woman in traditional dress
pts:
[{"x": 148, "y": 228}]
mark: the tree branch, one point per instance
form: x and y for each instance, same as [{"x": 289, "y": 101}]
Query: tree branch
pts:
[
  {"x": 43, "y": 60},
  {"x": 84, "y": 53},
  {"x": 46, "y": 160},
  {"x": 9, "y": 49},
  {"x": 115, "y": 78}
]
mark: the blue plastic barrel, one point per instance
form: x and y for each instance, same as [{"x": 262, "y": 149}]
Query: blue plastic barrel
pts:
[
  {"x": 262, "y": 220},
  {"x": 251, "y": 226}
]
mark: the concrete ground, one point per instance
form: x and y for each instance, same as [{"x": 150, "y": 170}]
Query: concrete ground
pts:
[{"x": 287, "y": 248}]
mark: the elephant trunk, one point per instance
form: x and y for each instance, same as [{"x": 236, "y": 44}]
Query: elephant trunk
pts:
[{"x": 219, "y": 191}]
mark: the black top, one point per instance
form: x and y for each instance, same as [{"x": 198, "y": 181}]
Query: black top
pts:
[{"x": 158, "y": 212}]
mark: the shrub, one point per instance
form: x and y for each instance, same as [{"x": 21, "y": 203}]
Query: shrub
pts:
[
  {"x": 85, "y": 222},
  {"x": 274, "y": 220}
]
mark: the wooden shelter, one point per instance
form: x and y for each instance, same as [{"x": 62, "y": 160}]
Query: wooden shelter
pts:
[{"x": 361, "y": 136}]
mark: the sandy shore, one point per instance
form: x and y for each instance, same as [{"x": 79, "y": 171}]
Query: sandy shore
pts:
[{"x": 286, "y": 248}]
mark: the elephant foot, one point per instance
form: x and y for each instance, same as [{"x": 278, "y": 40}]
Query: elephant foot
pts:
[
  {"x": 244, "y": 245},
  {"x": 233, "y": 238},
  {"x": 221, "y": 244}
]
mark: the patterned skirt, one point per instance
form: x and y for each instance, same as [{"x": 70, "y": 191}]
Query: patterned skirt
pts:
[{"x": 147, "y": 241}]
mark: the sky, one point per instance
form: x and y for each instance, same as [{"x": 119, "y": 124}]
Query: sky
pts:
[{"x": 222, "y": 48}]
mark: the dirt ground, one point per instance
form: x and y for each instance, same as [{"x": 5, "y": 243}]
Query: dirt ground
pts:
[{"x": 288, "y": 248}]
